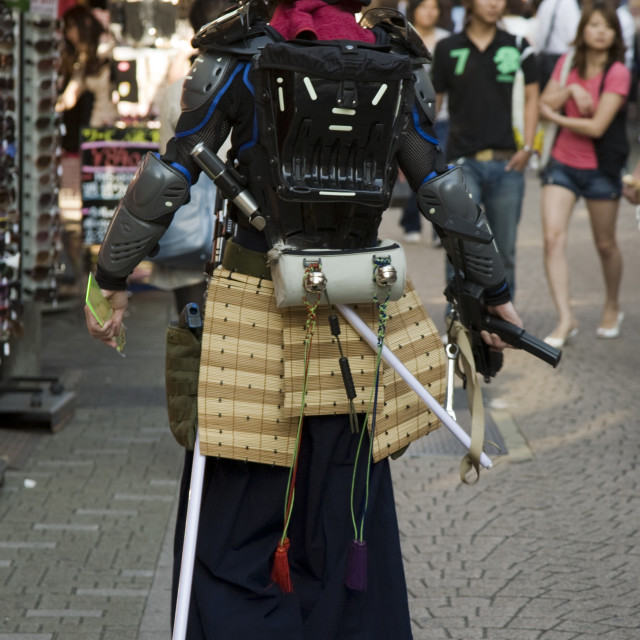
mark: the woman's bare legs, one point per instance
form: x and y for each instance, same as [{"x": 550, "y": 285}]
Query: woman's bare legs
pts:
[
  {"x": 604, "y": 215},
  {"x": 557, "y": 207}
]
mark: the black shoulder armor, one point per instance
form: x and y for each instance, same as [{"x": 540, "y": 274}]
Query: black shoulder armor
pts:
[
  {"x": 401, "y": 35},
  {"x": 403, "y": 38},
  {"x": 240, "y": 31},
  {"x": 206, "y": 75}
]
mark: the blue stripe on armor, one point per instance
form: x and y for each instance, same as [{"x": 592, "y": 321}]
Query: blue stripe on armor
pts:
[
  {"x": 254, "y": 137},
  {"x": 423, "y": 134},
  {"x": 432, "y": 175},
  {"x": 182, "y": 170},
  {"x": 495, "y": 293},
  {"x": 214, "y": 104}
]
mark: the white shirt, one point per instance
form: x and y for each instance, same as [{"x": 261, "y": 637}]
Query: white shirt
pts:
[
  {"x": 628, "y": 26},
  {"x": 559, "y": 30}
]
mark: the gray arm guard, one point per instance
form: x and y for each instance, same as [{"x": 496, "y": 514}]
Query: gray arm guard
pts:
[
  {"x": 467, "y": 238},
  {"x": 425, "y": 93},
  {"x": 143, "y": 215}
]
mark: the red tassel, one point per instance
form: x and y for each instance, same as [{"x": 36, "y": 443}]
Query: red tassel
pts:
[
  {"x": 356, "y": 578},
  {"x": 280, "y": 572}
]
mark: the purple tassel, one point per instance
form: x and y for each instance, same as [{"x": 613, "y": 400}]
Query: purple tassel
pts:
[{"x": 356, "y": 578}]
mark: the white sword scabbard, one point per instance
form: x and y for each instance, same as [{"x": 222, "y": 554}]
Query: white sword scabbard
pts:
[{"x": 388, "y": 356}]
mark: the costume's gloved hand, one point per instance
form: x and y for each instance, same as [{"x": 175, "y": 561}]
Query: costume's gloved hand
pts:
[
  {"x": 505, "y": 312},
  {"x": 444, "y": 200}
]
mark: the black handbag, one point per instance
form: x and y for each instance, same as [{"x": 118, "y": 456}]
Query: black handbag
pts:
[
  {"x": 546, "y": 65},
  {"x": 612, "y": 148}
]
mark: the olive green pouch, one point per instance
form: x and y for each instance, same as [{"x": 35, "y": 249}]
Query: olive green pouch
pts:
[{"x": 181, "y": 376}]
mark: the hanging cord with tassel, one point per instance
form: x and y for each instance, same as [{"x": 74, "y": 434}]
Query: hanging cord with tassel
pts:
[
  {"x": 356, "y": 575},
  {"x": 280, "y": 573},
  {"x": 345, "y": 369}
]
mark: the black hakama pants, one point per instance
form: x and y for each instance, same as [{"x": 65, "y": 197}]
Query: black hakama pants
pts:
[{"x": 241, "y": 523}]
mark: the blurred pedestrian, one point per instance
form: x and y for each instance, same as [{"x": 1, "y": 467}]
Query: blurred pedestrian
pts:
[
  {"x": 587, "y": 159},
  {"x": 425, "y": 16},
  {"x": 556, "y": 23},
  {"x": 631, "y": 185},
  {"x": 476, "y": 69},
  {"x": 186, "y": 278},
  {"x": 85, "y": 77}
]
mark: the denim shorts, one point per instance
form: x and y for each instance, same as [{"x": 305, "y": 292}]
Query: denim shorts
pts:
[{"x": 591, "y": 184}]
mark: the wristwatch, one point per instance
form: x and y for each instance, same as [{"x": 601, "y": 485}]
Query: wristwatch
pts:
[{"x": 529, "y": 149}]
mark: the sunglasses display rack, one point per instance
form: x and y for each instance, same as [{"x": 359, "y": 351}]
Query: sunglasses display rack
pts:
[
  {"x": 10, "y": 303},
  {"x": 40, "y": 160},
  {"x": 30, "y": 222}
]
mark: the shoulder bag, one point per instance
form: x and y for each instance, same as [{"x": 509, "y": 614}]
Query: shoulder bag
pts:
[
  {"x": 612, "y": 148},
  {"x": 551, "y": 128}
]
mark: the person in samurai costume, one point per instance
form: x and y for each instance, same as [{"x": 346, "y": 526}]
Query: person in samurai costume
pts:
[{"x": 320, "y": 182}]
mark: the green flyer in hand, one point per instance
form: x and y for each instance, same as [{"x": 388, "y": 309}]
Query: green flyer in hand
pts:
[{"x": 102, "y": 310}]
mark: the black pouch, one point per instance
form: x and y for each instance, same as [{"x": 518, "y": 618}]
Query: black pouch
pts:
[
  {"x": 612, "y": 148},
  {"x": 181, "y": 378},
  {"x": 546, "y": 65}
]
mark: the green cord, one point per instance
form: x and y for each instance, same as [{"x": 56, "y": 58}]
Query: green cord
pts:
[
  {"x": 310, "y": 327},
  {"x": 382, "y": 327}
]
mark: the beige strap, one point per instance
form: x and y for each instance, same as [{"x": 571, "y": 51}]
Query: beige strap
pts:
[{"x": 466, "y": 363}]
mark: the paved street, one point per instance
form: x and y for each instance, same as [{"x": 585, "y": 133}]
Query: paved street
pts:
[{"x": 545, "y": 547}]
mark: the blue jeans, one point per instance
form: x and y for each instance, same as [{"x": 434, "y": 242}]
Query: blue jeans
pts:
[
  {"x": 500, "y": 193},
  {"x": 591, "y": 184}
]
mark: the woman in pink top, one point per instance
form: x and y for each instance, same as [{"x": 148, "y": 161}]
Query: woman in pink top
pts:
[{"x": 587, "y": 160}]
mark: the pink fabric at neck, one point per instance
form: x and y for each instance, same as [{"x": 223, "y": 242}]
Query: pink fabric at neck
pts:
[{"x": 325, "y": 21}]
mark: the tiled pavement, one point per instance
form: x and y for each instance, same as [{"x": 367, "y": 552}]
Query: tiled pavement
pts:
[{"x": 545, "y": 547}]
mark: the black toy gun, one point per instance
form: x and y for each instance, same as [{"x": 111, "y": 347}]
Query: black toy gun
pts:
[{"x": 470, "y": 309}]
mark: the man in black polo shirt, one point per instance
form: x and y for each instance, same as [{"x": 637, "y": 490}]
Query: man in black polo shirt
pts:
[{"x": 477, "y": 68}]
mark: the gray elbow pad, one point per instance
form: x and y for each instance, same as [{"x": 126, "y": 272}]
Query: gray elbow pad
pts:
[
  {"x": 467, "y": 237},
  {"x": 143, "y": 215}
]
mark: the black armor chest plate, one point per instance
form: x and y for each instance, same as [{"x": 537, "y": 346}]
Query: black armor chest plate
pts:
[{"x": 330, "y": 117}]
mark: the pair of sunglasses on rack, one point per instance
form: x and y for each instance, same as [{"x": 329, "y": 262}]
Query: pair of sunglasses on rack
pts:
[
  {"x": 7, "y": 103},
  {"x": 42, "y": 123},
  {"x": 44, "y": 84},
  {"x": 6, "y": 61},
  {"x": 7, "y": 159},
  {"x": 6, "y": 175},
  {"x": 48, "y": 237},
  {"x": 44, "y": 105},
  {"x": 44, "y": 65},
  {"x": 42, "y": 23},
  {"x": 44, "y": 199},
  {"x": 41, "y": 46},
  {"x": 43, "y": 179},
  {"x": 43, "y": 161},
  {"x": 7, "y": 195},
  {"x": 45, "y": 142},
  {"x": 41, "y": 273},
  {"x": 48, "y": 219},
  {"x": 43, "y": 294}
]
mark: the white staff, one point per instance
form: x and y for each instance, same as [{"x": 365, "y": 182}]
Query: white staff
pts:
[
  {"x": 388, "y": 356},
  {"x": 189, "y": 545}
]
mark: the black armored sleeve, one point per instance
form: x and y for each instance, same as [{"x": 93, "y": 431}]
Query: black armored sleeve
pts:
[{"x": 444, "y": 200}]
